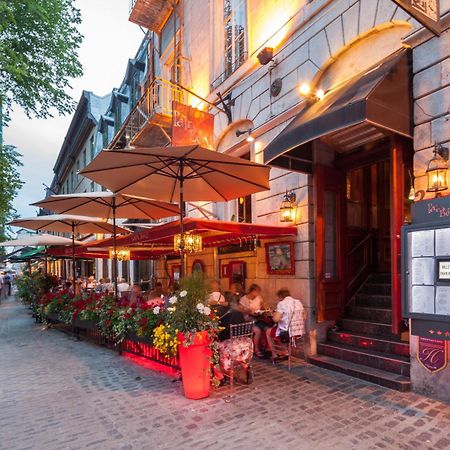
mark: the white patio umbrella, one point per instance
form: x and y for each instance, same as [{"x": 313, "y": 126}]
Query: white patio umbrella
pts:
[
  {"x": 38, "y": 240},
  {"x": 66, "y": 223},
  {"x": 109, "y": 205},
  {"x": 189, "y": 173}
]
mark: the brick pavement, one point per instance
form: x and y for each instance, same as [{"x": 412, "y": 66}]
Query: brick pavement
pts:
[{"x": 56, "y": 393}]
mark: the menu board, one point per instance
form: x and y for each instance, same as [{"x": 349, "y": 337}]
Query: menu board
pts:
[
  {"x": 422, "y": 300},
  {"x": 443, "y": 242},
  {"x": 422, "y": 243},
  {"x": 443, "y": 300},
  {"x": 423, "y": 271}
]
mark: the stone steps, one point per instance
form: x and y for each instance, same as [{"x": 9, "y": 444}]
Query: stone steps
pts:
[{"x": 380, "y": 377}]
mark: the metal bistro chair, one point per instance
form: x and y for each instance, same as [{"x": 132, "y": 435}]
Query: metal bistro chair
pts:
[{"x": 238, "y": 331}]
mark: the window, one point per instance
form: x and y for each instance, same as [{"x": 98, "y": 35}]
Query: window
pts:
[
  {"x": 84, "y": 158},
  {"x": 92, "y": 148},
  {"x": 117, "y": 116},
  {"x": 92, "y": 186},
  {"x": 72, "y": 180},
  {"x": 234, "y": 25},
  {"x": 244, "y": 207},
  {"x": 167, "y": 32},
  {"x": 67, "y": 185},
  {"x": 105, "y": 136}
]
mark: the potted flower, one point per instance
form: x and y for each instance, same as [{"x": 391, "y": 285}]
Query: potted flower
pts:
[{"x": 188, "y": 326}]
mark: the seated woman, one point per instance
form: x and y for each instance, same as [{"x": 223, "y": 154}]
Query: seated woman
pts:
[
  {"x": 250, "y": 304},
  {"x": 288, "y": 317},
  {"x": 238, "y": 349},
  {"x": 135, "y": 296}
]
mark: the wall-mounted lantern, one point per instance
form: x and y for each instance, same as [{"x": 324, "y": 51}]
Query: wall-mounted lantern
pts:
[
  {"x": 437, "y": 169},
  {"x": 288, "y": 207}
]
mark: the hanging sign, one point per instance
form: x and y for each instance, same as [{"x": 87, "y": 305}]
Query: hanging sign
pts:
[
  {"x": 191, "y": 126},
  {"x": 426, "y": 12},
  {"x": 432, "y": 354}
]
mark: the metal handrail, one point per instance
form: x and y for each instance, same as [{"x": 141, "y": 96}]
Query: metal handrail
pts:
[{"x": 369, "y": 236}]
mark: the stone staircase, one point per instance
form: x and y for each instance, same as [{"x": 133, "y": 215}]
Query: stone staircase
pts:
[{"x": 363, "y": 346}]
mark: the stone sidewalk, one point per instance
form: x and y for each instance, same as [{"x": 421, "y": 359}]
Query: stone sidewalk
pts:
[{"x": 56, "y": 393}]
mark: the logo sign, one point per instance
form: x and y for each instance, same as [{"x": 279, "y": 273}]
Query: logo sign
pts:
[
  {"x": 432, "y": 354},
  {"x": 431, "y": 211},
  {"x": 426, "y": 12},
  {"x": 191, "y": 126}
]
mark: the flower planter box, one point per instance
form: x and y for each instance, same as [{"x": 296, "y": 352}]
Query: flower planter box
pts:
[
  {"x": 143, "y": 346},
  {"x": 85, "y": 324}
]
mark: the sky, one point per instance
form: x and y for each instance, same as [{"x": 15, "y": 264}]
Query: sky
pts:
[{"x": 109, "y": 40}]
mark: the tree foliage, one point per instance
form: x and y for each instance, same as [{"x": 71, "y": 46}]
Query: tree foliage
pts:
[
  {"x": 39, "y": 42},
  {"x": 10, "y": 184}
]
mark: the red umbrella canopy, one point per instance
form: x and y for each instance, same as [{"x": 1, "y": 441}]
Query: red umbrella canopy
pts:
[{"x": 159, "y": 172}]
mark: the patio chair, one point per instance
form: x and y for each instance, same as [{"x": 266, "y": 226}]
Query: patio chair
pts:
[{"x": 240, "y": 331}]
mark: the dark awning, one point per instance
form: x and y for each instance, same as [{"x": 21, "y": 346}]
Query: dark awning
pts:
[{"x": 371, "y": 105}]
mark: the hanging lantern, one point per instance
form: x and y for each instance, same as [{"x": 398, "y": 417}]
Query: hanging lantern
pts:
[
  {"x": 192, "y": 243},
  {"x": 437, "y": 170},
  {"x": 121, "y": 254},
  {"x": 288, "y": 207}
]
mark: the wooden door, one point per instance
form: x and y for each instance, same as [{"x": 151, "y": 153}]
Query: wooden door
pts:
[
  {"x": 384, "y": 215},
  {"x": 401, "y": 159},
  {"x": 330, "y": 239}
]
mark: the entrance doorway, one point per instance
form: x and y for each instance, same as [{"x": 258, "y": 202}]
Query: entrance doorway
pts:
[{"x": 361, "y": 203}]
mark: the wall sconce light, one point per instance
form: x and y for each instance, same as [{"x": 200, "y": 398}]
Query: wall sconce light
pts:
[
  {"x": 437, "y": 169},
  {"x": 412, "y": 191},
  {"x": 250, "y": 138},
  {"x": 265, "y": 55},
  {"x": 288, "y": 207},
  {"x": 306, "y": 90}
]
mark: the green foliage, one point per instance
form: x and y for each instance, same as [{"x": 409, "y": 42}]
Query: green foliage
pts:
[
  {"x": 10, "y": 184},
  {"x": 39, "y": 42}
]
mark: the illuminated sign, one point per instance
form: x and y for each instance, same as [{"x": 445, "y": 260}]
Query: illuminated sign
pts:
[
  {"x": 443, "y": 272},
  {"x": 426, "y": 12},
  {"x": 191, "y": 126}
]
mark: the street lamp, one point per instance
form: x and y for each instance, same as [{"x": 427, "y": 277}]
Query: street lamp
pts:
[{"x": 437, "y": 169}]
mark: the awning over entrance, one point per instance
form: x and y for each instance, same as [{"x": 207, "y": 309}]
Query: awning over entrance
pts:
[{"x": 371, "y": 105}]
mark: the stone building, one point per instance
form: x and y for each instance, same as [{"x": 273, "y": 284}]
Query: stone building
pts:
[{"x": 345, "y": 99}]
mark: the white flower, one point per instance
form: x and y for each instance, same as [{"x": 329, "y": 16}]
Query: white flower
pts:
[
  {"x": 183, "y": 293},
  {"x": 156, "y": 310},
  {"x": 200, "y": 307},
  {"x": 173, "y": 300},
  {"x": 206, "y": 310}
]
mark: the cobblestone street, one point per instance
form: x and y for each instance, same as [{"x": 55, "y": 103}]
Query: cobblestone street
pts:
[{"x": 56, "y": 393}]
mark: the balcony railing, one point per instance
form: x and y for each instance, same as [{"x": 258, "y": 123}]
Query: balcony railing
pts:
[{"x": 153, "y": 111}]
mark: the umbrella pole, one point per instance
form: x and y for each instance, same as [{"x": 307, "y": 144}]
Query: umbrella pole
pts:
[
  {"x": 114, "y": 262},
  {"x": 182, "y": 212},
  {"x": 73, "y": 257}
]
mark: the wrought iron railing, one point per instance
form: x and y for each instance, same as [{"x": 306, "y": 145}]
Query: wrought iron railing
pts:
[
  {"x": 231, "y": 68},
  {"x": 156, "y": 100},
  {"x": 132, "y": 3}
]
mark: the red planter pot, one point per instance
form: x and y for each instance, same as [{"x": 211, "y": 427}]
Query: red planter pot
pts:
[{"x": 195, "y": 366}]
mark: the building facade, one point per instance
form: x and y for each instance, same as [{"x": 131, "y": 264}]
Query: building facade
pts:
[{"x": 346, "y": 100}]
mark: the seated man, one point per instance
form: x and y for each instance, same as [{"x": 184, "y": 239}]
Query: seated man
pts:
[
  {"x": 250, "y": 304},
  {"x": 289, "y": 316},
  {"x": 238, "y": 349}
]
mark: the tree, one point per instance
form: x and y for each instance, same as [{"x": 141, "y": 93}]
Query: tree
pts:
[
  {"x": 10, "y": 184},
  {"x": 39, "y": 42}
]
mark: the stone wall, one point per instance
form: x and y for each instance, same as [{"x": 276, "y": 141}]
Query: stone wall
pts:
[{"x": 431, "y": 90}]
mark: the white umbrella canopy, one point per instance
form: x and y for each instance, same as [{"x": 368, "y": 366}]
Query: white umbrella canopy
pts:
[
  {"x": 109, "y": 205},
  {"x": 67, "y": 223},
  {"x": 160, "y": 172},
  {"x": 185, "y": 173},
  {"x": 38, "y": 240}
]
